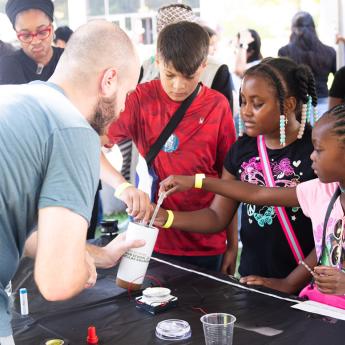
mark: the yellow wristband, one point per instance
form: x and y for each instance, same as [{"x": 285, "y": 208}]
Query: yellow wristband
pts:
[
  {"x": 170, "y": 220},
  {"x": 198, "y": 180},
  {"x": 120, "y": 189}
]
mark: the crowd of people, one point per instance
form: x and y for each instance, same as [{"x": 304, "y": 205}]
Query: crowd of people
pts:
[{"x": 60, "y": 103}]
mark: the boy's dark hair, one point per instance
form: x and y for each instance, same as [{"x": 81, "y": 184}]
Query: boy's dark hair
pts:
[
  {"x": 288, "y": 79},
  {"x": 338, "y": 115},
  {"x": 184, "y": 45}
]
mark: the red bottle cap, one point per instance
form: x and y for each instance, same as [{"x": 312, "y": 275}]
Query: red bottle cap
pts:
[{"x": 92, "y": 338}]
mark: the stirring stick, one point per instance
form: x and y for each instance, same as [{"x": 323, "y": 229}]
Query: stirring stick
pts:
[
  {"x": 301, "y": 262},
  {"x": 155, "y": 212}
]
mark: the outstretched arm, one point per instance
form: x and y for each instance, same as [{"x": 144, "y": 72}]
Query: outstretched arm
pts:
[
  {"x": 240, "y": 191},
  {"x": 208, "y": 220}
]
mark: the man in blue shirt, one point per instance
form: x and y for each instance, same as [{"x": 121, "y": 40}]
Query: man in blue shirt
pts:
[{"x": 50, "y": 153}]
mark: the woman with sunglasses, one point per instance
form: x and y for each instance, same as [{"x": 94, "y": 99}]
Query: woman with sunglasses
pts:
[{"x": 37, "y": 59}]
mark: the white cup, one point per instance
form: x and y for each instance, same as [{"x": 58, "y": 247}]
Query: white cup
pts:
[{"x": 134, "y": 263}]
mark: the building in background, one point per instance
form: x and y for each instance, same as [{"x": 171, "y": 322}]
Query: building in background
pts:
[{"x": 271, "y": 18}]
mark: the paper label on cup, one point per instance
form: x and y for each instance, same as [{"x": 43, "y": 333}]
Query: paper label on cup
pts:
[
  {"x": 140, "y": 257},
  {"x": 134, "y": 262}
]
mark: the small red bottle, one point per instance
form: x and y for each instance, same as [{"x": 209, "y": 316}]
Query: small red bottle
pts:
[{"x": 92, "y": 338}]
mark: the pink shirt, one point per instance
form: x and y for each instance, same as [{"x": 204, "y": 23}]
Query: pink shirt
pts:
[{"x": 314, "y": 197}]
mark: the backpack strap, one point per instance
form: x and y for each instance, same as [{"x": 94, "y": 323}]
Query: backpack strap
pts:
[{"x": 171, "y": 126}]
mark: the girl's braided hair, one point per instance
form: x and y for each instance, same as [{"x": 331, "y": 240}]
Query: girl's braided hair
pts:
[
  {"x": 337, "y": 113},
  {"x": 288, "y": 79}
]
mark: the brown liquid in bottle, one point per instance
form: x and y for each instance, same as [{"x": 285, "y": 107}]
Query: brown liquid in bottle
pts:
[{"x": 127, "y": 285}]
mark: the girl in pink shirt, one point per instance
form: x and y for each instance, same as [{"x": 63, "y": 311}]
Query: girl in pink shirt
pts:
[{"x": 314, "y": 197}]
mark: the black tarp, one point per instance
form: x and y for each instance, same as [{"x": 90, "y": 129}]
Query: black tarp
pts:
[{"x": 117, "y": 321}]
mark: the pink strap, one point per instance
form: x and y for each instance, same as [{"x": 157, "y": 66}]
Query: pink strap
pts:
[{"x": 280, "y": 211}]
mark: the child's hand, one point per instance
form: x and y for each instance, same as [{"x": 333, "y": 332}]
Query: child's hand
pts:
[
  {"x": 176, "y": 183},
  {"x": 161, "y": 217},
  {"x": 330, "y": 280},
  {"x": 272, "y": 283}
]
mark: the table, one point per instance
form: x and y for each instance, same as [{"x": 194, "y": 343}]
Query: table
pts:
[{"x": 262, "y": 319}]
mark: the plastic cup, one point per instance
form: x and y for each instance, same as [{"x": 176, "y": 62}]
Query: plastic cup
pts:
[
  {"x": 218, "y": 328},
  {"x": 134, "y": 263}
]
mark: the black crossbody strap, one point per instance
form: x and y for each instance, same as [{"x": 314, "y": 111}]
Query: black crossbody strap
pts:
[
  {"x": 328, "y": 213},
  {"x": 170, "y": 127}
]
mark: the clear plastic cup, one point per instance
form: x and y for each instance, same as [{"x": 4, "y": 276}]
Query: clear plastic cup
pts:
[{"x": 218, "y": 328}]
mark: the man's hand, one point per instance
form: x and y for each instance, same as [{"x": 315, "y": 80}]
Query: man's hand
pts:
[
  {"x": 329, "y": 280},
  {"x": 90, "y": 263},
  {"x": 176, "y": 183},
  {"x": 108, "y": 256},
  {"x": 138, "y": 203}
]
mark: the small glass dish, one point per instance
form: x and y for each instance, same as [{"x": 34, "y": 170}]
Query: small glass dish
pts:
[{"x": 173, "y": 329}]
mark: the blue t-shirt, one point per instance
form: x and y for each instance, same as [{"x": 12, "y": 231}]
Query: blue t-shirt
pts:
[{"x": 49, "y": 156}]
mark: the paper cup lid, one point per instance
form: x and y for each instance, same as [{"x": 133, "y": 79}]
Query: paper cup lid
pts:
[{"x": 173, "y": 329}]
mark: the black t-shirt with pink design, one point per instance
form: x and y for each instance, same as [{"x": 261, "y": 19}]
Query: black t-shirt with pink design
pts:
[{"x": 266, "y": 251}]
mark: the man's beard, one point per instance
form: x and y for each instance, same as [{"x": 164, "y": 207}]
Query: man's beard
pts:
[{"x": 105, "y": 113}]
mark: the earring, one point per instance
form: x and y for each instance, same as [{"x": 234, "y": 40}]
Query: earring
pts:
[
  {"x": 305, "y": 117},
  {"x": 303, "y": 120},
  {"x": 315, "y": 114},
  {"x": 282, "y": 123},
  {"x": 240, "y": 126},
  {"x": 309, "y": 105}
]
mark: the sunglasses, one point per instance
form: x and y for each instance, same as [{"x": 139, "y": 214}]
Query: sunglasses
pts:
[{"x": 42, "y": 34}]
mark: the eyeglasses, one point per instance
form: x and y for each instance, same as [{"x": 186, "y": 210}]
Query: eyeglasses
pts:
[{"x": 42, "y": 34}]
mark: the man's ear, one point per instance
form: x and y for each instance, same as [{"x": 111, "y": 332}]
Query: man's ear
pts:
[
  {"x": 109, "y": 81},
  {"x": 290, "y": 104}
]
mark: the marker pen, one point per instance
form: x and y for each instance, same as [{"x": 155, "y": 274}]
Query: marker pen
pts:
[{"x": 24, "y": 307}]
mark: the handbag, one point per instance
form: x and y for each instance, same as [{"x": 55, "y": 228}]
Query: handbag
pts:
[
  {"x": 280, "y": 211},
  {"x": 310, "y": 291},
  {"x": 146, "y": 178}
]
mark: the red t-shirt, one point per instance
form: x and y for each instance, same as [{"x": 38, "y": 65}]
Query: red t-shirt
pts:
[{"x": 198, "y": 145}]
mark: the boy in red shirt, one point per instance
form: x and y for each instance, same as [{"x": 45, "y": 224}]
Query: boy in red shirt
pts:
[{"x": 198, "y": 144}]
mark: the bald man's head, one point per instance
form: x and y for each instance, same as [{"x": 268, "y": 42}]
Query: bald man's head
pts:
[
  {"x": 98, "y": 68},
  {"x": 96, "y": 46}
]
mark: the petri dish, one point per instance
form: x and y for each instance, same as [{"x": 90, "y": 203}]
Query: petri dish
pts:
[{"x": 173, "y": 329}]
